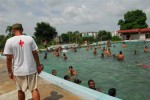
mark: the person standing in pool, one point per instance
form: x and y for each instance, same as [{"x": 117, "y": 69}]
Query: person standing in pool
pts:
[
  {"x": 73, "y": 73},
  {"x": 95, "y": 51},
  {"x": 107, "y": 52},
  {"x": 134, "y": 52},
  {"x": 103, "y": 49},
  {"x": 64, "y": 56},
  {"x": 67, "y": 77},
  {"x": 124, "y": 45},
  {"x": 45, "y": 56},
  {"x": 146, "y": 49},
  {"x": 23, "y": 63},
  {"x": 120, "y": 56},
  {"x": 56, "y": 53},
  {"x": 87, "y": 48},
  {"x": 91, "y": 85},
  {"x": 102, "y": 55},
  {"x": 54, "y": 72},
  {"x": 112, "y": 92}
]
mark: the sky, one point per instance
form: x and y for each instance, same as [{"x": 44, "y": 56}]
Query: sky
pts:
[{"x": 68, "y": 15}]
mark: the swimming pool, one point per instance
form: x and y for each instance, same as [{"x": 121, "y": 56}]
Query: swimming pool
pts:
[{"x": 131, "y": 81}]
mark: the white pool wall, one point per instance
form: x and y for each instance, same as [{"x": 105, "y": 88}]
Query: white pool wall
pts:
[{"x": 78, "y": 90}]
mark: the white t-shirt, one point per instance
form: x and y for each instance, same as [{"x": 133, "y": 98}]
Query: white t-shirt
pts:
[{"x": 21, "y": 48}]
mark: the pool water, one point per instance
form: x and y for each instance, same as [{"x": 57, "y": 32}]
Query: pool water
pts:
[{"x": 131, "y": 81}]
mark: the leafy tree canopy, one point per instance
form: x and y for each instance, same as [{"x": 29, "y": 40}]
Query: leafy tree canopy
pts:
[
  {"x": 43, "y": 31},
  {"x": 116, "y": 38},
  {"x": 133, "y": 19},
  {"x": 104, "y": 35}
]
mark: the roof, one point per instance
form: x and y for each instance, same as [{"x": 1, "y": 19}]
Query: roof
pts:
[{"x": 143, "y": 30}]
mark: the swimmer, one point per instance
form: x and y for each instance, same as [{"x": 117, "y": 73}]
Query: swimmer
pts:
[
  {"x": 45, "y": 56},
  {"x": 108, "y": 43},
  {"x": 114, "y": 56},
  {"x": 95, "y": 51},
  {"x": 102, "y": 55},
  {"x": 67, "y": 77},
  {"x": 91, "y": 47},
  {"x": 54, "y": 72},
  {"x": 124, "y": 45},
  {"x": 91, "y": 85},
  {"x": 103, "y": 49},
  {"x": 107, "y": 52},
  {"x": 72, "y": 71},
  {"x": 87, "y": 48},
  {"x": 112, "y": 92},
  {"x": 120, "y": 56},
  {"x": 64, "y": 56},
  {"x": 56, "y": 53},
  {"x": 75, "y": 49},
  {"x": 146, "y": 49},
  {"x": 134, "y": 52}
]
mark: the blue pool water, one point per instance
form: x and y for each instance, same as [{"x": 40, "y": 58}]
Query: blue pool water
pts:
[{"x": 131, "y": 81}]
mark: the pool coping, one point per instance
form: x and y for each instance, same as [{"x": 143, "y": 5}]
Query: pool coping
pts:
[{"x": 78, "y": 90}]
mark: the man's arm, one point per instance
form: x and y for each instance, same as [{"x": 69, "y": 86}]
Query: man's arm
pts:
[
  {"x": 9, "y": 65},
  {"x": 36, "y": 57}
]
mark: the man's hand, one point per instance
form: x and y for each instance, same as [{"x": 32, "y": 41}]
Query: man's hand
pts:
[
  {"x": 39, "y": 69},
  {"x": 11, "y": 76}
]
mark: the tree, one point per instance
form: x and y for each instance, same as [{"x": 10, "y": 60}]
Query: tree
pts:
[
  {"x": 43, "y": 31},
  {"x": 103, "y": 35},
  {"x": 65, "y": 38},
  {"x": 116, "y": 38},
  {"x": 9, "y": 29},
  {"x": 133, "y": 19},
  {"x": 3, "y": 38}
]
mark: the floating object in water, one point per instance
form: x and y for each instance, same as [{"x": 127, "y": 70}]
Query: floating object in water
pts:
[{"x": 64, "y": 50}]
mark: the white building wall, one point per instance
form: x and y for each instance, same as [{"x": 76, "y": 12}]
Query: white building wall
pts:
[
  {"x": 135, "y": 37},
  {"x": 142, "y": 37},
  {"x": 114, "y": 33}
]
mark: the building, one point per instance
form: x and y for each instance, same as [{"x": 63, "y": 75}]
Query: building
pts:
[
  {"x": 135, "y": 34},
  {"x": 114, "y": 33},
  {"x": 89, "y": 34}
]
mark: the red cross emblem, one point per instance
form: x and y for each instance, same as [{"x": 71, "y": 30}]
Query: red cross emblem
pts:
[{"x": 21, "y": 43}]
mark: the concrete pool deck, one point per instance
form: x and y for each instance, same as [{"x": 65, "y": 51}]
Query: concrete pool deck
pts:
[{"x": 47, "y": 90}]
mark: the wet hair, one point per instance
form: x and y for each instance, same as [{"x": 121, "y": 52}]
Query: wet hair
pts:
[
  {"x": 145, "y": 46},
  {"x": 53, "y": 70},
  {"x": 66, "y": 77},
  {"x": 45, "y": 53},
  {"x": 77, "y": 81},
  {"x": 64, "y": 54},
  {"x": 112, "y": 92},
  {"x": 120, "y": 52},
  {"x": 90, "y": 81},
  {"x": 89, "y": 84},
  {"x": 70, "y": 67},
  {"x": 123, "y": 42}
]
